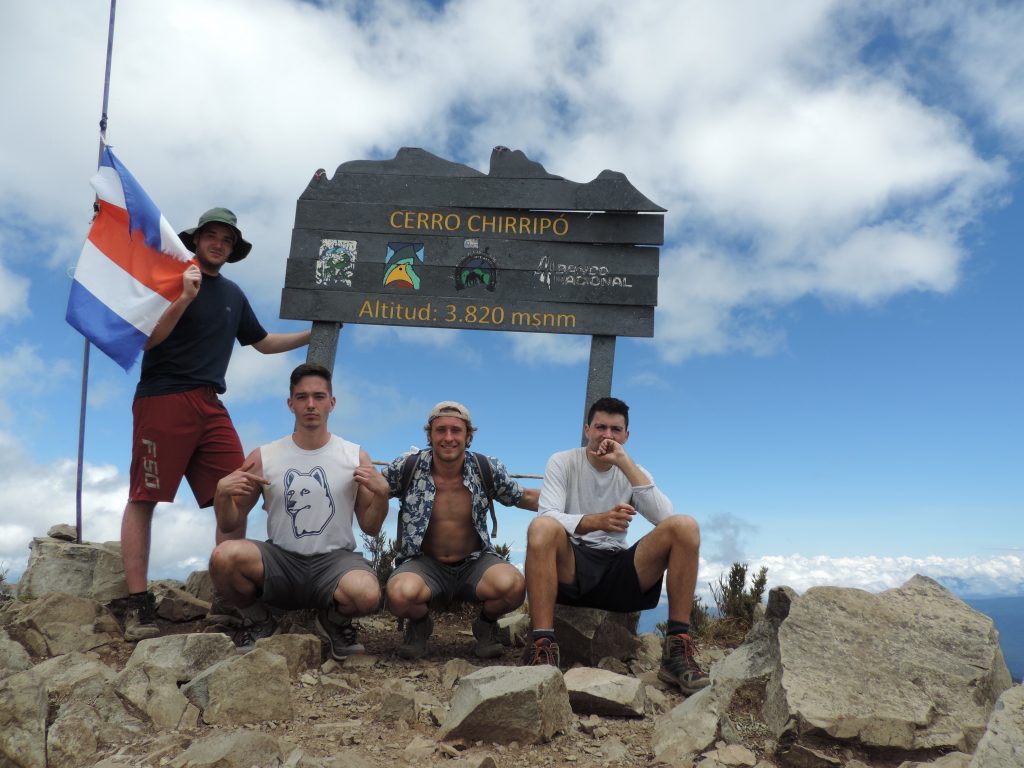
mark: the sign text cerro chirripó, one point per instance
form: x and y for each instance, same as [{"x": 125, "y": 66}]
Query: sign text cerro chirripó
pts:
[{"x": 421, "y": 241}]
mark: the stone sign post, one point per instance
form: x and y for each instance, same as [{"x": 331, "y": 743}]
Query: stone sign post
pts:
[{"x": 422, "y": 241}]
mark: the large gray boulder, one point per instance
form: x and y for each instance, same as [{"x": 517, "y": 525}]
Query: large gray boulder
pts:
[
  {"x": 600, "y": 692},
  {"x": 912, "y": 668},
  {"x": 246, "y": 689},
  {"x": 185, "y": 655},
  {"x": 73, "y": 675},
  {"x": 59, "y": 623},
  {"x": 154, "y": 693},
  {"x": 88, "y": 724},
  {"x": 175, "y": 604},
  {"x": 587, "y": 635},
  {"x": 13, "y": 656},
  {"x": 1003, "y": 742},
  {"x": 500, "y": 705},
  {"x": 200, "y": 585},
  {"x": 693, "y": 726},
  {"x": 232, "y": 749},
  {"x": 23, "y": 709},
  {"x": 87, "y": 570},
  {"x": 300, "y": 652}
]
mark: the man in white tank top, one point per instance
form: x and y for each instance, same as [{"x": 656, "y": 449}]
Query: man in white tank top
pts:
[
  {"x": 576, "y": 552},
  {"x": 313, "y": 484}
]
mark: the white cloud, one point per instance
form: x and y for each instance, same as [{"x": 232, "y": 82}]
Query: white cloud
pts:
[
  {"x": 13, "y": 291},
  {"x": 803, "y": 168},
  {"x": 182, "y": 534},
  {"x": 966, "y": 576}
]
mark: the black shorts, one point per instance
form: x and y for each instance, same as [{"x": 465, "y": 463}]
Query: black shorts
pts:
[
  {"x": 607, "y": 579},
  {"x": 292, "y": 581}
]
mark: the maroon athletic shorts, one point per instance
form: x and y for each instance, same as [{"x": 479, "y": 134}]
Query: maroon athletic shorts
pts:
[{"x": 185, "y": 434}]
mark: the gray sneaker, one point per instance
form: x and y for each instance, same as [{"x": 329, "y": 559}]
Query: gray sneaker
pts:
[
  {"x": 140, "y": 621},
  {"x": 258, "y": 621},
  {"x": 337, "y": 630},
  {"x": 679, "y": 667},
  {"x": 488, "y": 645},
  {"x": 416, "y": 634}
]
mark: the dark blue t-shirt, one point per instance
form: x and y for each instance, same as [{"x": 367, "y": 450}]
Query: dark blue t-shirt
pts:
[{"x": 198, "y": 350}]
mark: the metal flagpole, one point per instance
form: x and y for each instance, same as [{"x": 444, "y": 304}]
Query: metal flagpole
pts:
[{"x": 85, "y": 352}]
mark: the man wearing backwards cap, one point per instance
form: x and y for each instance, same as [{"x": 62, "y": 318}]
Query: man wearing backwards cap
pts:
[
  {"x": 180, "y": 426},
  {"x": 445, "y": 552}
]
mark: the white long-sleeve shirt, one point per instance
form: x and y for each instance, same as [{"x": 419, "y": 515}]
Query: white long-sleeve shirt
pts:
[{"x": 573, "y": 488}]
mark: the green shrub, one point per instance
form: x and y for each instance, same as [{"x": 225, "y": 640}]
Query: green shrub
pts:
[
  {"x": 382, "y": 552},
  {"x": 733, "y": 614},
  {"x": 732, "y": 597}
]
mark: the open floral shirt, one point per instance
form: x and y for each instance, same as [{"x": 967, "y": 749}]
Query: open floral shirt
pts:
[{"x": 414, "y": 515}]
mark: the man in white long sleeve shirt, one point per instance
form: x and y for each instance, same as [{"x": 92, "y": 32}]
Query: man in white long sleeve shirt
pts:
[{"x": 576, "y": 552}]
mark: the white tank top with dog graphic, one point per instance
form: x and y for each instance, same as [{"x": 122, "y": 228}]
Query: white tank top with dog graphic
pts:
[{"x": 311, "y": 500}]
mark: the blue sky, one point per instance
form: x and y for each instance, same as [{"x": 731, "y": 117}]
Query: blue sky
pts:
[{"x": 834, "y": 386}]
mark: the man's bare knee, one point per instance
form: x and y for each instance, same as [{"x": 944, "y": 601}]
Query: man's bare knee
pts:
[
  {"x": 503, "y": 583},
  {"x": 225, "y": 558},
  {"x": 359, "y": 592},
  {"x": 544, "y": 532},
  {"x": 404, "y": 590},
  {"x": 684, "y": 530}
]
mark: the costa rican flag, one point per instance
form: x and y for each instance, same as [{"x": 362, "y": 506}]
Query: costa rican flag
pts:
[{"x": 130, "y": 268}]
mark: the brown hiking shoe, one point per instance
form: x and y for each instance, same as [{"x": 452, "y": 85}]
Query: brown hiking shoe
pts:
[
  {"x": 140, "y": 621},
  {"x": 541, "y": 651},
  {"x": 488, "y": 646},
  {"x": 416, "y": 635},
  {"x": 679, "y": 667}
]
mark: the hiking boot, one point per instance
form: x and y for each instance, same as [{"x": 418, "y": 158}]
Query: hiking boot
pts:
[
  {"x": 679, "y": 667},
  {"x": 257, "y": 622},
  {"x": 339, "y": 633},
  {"x": 223, "y": 613},
  {"x": 541, "y": 651},
  {"x": 416, "y": 634},
  {"x": 140, "y": 621},
  {"x": 488, "y": 645}
]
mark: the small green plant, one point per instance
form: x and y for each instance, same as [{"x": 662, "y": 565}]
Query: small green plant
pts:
[
  {"x": 732, "y": 597},
  {"x": 503, "y": 551},
  {"x": 727, "y": 623},
  {"x": 5, "y": 588},
  {"x": 382, "y": 552},
  {"x": 699, "y": 617}
]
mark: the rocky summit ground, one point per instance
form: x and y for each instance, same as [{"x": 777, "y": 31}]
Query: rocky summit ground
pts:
[{"x": 339, "y": 715}]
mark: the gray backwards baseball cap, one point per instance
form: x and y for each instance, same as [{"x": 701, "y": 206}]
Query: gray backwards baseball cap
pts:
[{"x": 218, "y": 216}]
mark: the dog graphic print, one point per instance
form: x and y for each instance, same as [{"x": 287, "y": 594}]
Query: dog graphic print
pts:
[{"x": 309, "y": 501}]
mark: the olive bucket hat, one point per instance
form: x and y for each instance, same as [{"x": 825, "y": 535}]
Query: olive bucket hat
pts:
[{"x": 218, "y": 216}]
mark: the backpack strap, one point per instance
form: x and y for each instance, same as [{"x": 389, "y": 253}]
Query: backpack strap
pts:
[
  {"x": 404, "y": 481},
  {"x": 483, "y": 466}
]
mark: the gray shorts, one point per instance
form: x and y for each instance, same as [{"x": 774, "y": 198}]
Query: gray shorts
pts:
[
  {"x": 451, "y": 583},
  {"x": 292, "y": 581}
]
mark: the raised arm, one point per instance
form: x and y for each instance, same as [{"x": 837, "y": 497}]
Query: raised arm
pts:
[
  {"x": 237, "y": 493},
  {"x": 273, "y": 343},
  {"x": 372, "y": 495},
  {"x": 191, "y": 279}
]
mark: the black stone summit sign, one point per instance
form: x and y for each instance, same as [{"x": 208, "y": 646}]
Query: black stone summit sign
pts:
[{"x": 422, "y": 241}]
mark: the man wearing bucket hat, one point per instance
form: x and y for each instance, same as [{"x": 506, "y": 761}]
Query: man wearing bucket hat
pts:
[
  {"x": 180, "y": 426},
  {"x": 445, "y": 551}
]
